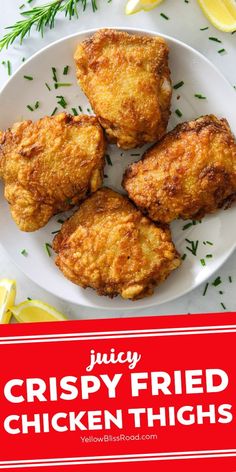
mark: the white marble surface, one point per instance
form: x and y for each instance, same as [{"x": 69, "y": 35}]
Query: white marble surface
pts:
[{"x": 185, "y": 21}]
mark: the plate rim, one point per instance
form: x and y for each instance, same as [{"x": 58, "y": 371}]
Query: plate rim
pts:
[{"x": 134, "y": 31}]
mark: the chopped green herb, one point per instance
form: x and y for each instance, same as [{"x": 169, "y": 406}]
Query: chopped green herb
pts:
[
  {"x": 221, "y": 293},
  {"x": 212, "y": 38},
  {"x": 105, "y": 176},
  {"x": 209, "y": 256},
  {"x": 54, "y": 111},
  {"x": 80, "y": 109},
  {"x": 230, "y": 279},
  {"x": 135, "y": 154},
  {"x": 65, "y": 70},
  {"x": 233, "y": 32},
  {"x": 55, "y": 232},
  {"x": 178, "y": 85},
  {"x": 205, "y": 289},
  {"x": 47, "y": 247},
  {"x": 184, "y": 257},
  {"x": 221, "y": 50},
  {"x": 186, "y": 1},
  {"x": 62, "y": 101},
  {"x": 187, "y": 226},
  {"x": 8, "y": 67},
  {"x": 60, "y": 221},
  {"x": 200, "y": 96},
  {"x": 62, "y": 84},
  {"x": 24, "y": 252},
  {"x": 28, "y": 77},
  {"x": 88, "y": 110},
  {"x": 48, "y": 87},
  {"x": 164, "y": 16},
  {"x": 204, "y": 29},
  {"x": 33, "y": 107},
  {"x": 21, "y": 6},
  {"x": 23, "y": 59},
  {"x": 74, "y": 111},
  {"x": 217, "y": 281},
  {"x": 108, "y": 159},
  {"x": 194, "y": 246},
  {"x": 54, "y": 74},
  {"x": 203, "y": 262},
  {"x": 178, "y": 113},
  {"x": 28, "y": 298},
  {"x": 223, "y": 306}
]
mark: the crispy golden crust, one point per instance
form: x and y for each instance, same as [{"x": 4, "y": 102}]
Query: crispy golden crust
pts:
[
  {"x": 190, "y": 173},
  {"x": 127, "y": 80},
  {"x": 110, "y": 246},
  {"x": 50, "y": 165}
]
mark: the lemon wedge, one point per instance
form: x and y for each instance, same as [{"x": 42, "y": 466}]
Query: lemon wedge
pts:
[
  {"x": 7, "y": 299},
  {"x": 36, "y": 311},
  {"x": 134, "y": 6},
  {"x": 221, "y": 13}
]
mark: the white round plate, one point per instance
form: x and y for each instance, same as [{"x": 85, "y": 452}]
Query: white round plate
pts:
[{"x": 200, "y": 77}]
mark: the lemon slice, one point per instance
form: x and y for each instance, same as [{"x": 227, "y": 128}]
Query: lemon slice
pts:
[
  {"x": 221, "y": 13},
  {"x": 35, "y": 311},
  {"x": 134, "y": 6},
  {"x": 7, "y": 299}
]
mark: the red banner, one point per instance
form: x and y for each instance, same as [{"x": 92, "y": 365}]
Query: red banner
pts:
[{"x": 124, "y": 393}]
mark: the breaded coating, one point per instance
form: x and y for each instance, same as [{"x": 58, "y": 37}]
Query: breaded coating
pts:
[
  {"x": 189, "y": 173},
  {"x": 110, "y": 246},
  {"x": 50, "y": 165},
  {"x": 127, "y": 80}
]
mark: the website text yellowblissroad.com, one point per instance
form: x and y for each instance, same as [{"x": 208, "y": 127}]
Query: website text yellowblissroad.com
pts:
[{"x": 120, "y": 437}]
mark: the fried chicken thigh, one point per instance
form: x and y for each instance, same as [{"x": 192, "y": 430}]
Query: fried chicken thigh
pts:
[
  {"x": 110, "y": 246},
  {"x": 50, "y": 165},
  {"x": 127, "y": 81},
  {"x": 189, "y": 173}
]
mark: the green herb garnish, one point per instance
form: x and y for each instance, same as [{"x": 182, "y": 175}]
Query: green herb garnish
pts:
[
  {"x": 54, "y": 74},
  {"x": 203, "y": 262},
  {"x": 42, "y": 16},
  {"x": 62, "y": 101},
  {"x": 47, "y": 247},
  {"x": 178, "y": 113},
  {"x": 62, "y": 84},
  {"x": 205, "y": 290},
  {"x": 48, "y": 87},
  {"x": 184, "y": 257},
  {"x": 65, "y": 70},
  {"x": 200, "y": 96},
  {"x": 204, "y": 29},
  {"x": 80, "y": 109},
  {"x": 60, "y": 221},
  {"x": 178, "y": 85},
  {"x": 24, "y": 252},
  {"x": 212, "y": 38},
  {"x": 193, "y": 246},
  {"x": 74, "y": 111},
  {"x": 217, "y": 281},
  {"x": 221, "y": 50},
  {"x": 54, "y": 111},
  {"x": 164, "y": 16},
  {"x": 108, "y": 159},
  {"x": 28, "y": 77},
  {"x": 223, "y": 305},
  {"x": 230, "y": 279}
]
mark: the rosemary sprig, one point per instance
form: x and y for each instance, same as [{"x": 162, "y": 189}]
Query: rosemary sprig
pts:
[{"x": 41, "y": 17}]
